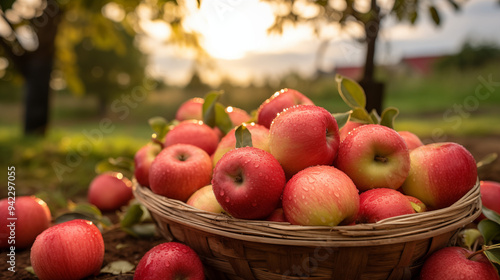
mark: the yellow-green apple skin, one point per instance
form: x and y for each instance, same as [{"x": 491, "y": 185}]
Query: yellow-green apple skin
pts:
[
  {"x": 191, "y": 109},
  {"x": 195, "y": 133},
  {"x": 279, "y": 101},
  {"x": 382, "y": 203},
  {"x": 180, "y": 170},
  {"x": 260, "y": 139},
  {"x": 374, "y": 156},
  {"x": 411, "y": 139},
  {"x": 440, "y": 174},
  {"x": 303, "y": 136},
  {"x": 248, "y": 183},
  {"x": 320, "y": 195},
  {"x": 204, "y": 199}
]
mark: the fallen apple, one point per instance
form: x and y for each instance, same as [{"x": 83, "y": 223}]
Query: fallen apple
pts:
[{"x": 110, "y": 191}]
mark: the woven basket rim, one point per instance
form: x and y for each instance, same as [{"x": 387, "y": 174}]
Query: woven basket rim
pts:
[{"x": 400, "y": 229}]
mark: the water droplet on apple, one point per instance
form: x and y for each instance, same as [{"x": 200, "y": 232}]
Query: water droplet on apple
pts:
[
  {"x": 305, "y": 189},
  {"x": 227, "y": 199},
  {"x": 256, "y": 165},
  {"x": 336, "y": 194},
  {"x": 221, "y": 193},
  {"x": 303, "y": 197}
]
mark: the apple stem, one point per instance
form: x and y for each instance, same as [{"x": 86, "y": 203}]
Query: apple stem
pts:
[
  {"x": 475, "y": 253},
  {"x": 156, "y": 141},
  {"x": 380, "y": 159}
]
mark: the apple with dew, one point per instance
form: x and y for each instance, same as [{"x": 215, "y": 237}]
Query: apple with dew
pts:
[
  {"x": 348, "y": 127},
  {"x": 204, "y": 199},
  {"x": 452, "y": 263},
  {"x": 248, "y": 183},
  {"x": 142, "y": 162},
  {"x": 440, "y": 174},
  {"x": 70, "y": 250},
  {"x": 417, "y": 204},
  {"x": 180, "y": 170},
  {"x": 195, "y": 133},
  {"x": 237, "y": 115},
  {"x": 191, "y": 109},
  {"x": 374, "y": 156},
  {"x": 378, "y": 204},
  {"x": 278, "y": 215},
  {"x": 320, "y": 195},
  {"x": 30, "y": 216},
  {"x": 170, "y": 260},
  {"x": 303, "y": 136},
  {"x": 411, "y": 139},
  {"x": 275, "y": 104},
  {"x": 260, "y": 139},
  {"x": 110, "y": 191},
  {"x": 490, "y": 197}
]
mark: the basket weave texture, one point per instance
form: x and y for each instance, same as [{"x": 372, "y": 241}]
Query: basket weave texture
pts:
[{"x": 230, "y": 248}]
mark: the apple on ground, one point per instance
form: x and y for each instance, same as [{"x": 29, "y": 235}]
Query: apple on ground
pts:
[
  {"x": 320, "y": 195},
  {"x": 418, "y": 205},
  {"x": 260, "y": 139},
  {"x": 180, "y": 170},
  {"x": 303, "y": 136},
  {"x": 66, "y": 251},
  {"x": 195, "y": 133},
  {"x": 170, "y": 260},
  {"x": 456, "y": 263},
  {"x": 490, "y": 196},
  {"x": 440, "y": 174},
  {"x": 32, "y": 217},
  {"x": 142, "y": 162},
  {"x": 275, "y": 104},
  {"x": 110, "y": 191},
  {"x": 278, "y": 215},
  {"x": 348, "y": 127},
  {"x": 191, "y": 109},
  {"x": 204, "y": 199},
  {"x": 374, "y": 156},
  {"x": 378, "y": 204},
  {"x": 248, "y": 183},
  {"x": 411, "y": 139},
  {"x": 237, "y": 115}
]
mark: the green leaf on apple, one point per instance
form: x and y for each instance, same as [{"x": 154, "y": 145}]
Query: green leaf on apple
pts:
[
  {"x": 361, "y": 115},
  {"x": 351, "y": 92},
  {"x": 493, "y": 255},
  {"x": 118, "y": 267},
  {"x": 209, "y": 114},
  {"x": 160, "y": 127},
  {"x": 243, "y": 137},
  {"x": 492, "y": 215},
  {"x": 375, "y": 118},
  {"x": 222, "y": 119},
  {"x": 388, "y": 116},
  {"x": 469, "y": 237},
  {"x": 489, "y": 229},
  {"x": 120, "y": 164},
  {"x": 342, "y": 118}
]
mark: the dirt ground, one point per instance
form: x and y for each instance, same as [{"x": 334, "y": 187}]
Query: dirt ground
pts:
[{"x": 120, "y": 246}]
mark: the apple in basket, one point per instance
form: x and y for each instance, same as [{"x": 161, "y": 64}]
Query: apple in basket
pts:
[
  {"x": 348, "y": 127},
  {"x": 110, "y": 191},
  {"x": 204, "y": 199},
  {"x": 180, "y": 170},
  {"x": 248, "y": 183},
  {"x": 303, "y": 136},
  {"x": 320, "y": 195},
  {"x": 412, "y": 140},
  {"x": 195, "y": 133},
  {"x": 458, "y": 263},
  {"x": 142, "y": 162},
  {"x": 170, "y": 260},
  {"x": 440, "y": 174},
  {"x": 280, "y": 100},
  {"x": 382, "y": 203},
  {"x": 374, "y": 156}
]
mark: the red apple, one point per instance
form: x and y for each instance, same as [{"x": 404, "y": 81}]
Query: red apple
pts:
[
  {"x": 452, "y": 263},
  {"x": 374, "y": 156},
  {"x": 237, "y": 115},
  {"x": 280, "y": 100},
  {"x": 490, "y": 197},
  {"x": 180, "y": 170},
  {"x": 248, "y": 183},
  {"x": 170, "y": 260},
  {"x": 417, "y": 205},
  {"x": 440, "y": 174},
  {"x": 195, "y": 133},
  {"x": 204, "y": 199},
  {"x": 110, "y": 191},
  {"x": 412, "y": 140},
  {"x": 320, "y": 195},
  {"x": 70, "y": 250},
  {"x": 260, "y": 139},
  {"x": 303, "y": 136},
  {"x": 22, "y": 218},
  {"x": 278, "y": 215},
  {"x": 378, "y": 204},
  {"x": 348, "y": 127},
  {"x": 142, "y": 162},
  {"x": 191, "y": 109}
]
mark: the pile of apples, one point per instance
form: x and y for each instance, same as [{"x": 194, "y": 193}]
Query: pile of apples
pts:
[{"x": 290, "y": 162}]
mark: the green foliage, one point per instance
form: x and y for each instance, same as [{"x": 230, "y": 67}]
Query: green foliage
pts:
[
  {"x": 243, "y": 136},
  {"x": 214, "y": 113},
  {"x": 470, "y": 56}
]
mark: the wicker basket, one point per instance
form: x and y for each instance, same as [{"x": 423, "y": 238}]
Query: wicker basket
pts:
[{"x": 230, "y": 248}]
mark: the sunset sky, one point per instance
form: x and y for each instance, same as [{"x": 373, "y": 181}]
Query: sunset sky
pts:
[{"x": 235, "y": 35}]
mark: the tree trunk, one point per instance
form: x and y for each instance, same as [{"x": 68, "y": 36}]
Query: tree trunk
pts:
[{"x": 374, "y": 90}]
